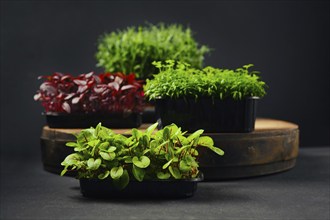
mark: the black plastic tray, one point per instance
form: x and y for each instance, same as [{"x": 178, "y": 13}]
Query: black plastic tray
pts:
[
  {"x": 145, "y": 189},
  {"x": 110, "y": 120},
  {"x": 217, "y": 115}
]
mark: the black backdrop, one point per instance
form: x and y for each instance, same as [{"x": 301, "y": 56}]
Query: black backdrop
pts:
[{"x": 288, "y": 41}]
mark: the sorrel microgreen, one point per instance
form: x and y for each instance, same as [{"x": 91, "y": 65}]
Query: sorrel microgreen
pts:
[{"x": 150, "y": 154}]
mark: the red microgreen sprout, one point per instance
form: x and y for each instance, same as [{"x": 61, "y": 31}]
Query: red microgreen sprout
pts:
[{"x": 90, "y": 93}]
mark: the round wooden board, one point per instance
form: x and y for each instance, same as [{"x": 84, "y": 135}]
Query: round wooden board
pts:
[{"x": 271, "y": 148}]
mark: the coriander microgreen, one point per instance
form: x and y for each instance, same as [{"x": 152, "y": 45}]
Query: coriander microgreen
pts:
[{"x": 149, "y": 154}]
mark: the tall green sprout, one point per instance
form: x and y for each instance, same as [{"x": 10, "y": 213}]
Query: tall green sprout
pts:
[{"x": 134, "y": 49}]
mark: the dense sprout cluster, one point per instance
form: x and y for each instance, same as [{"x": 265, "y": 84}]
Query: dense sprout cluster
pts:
[
  {"x": 90, "y": 93},
  {"x": 163, "y": 154},
  {"x": 134, "y": 49},
  {"x": 179, "y": 80}
]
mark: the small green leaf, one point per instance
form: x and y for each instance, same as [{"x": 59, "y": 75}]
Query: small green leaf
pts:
[
  {"x": 108, "y": 156},
  {"x": 195, "y": 135},
  {"x": 167, "y": 164},
  {"x": 64, "y": 171},
  {"x": 93, "y": 143},
  {"x": 93, "y": 164},
  {"x": 181, "y": 149},
  {"x": 184, "y": 166},
  {"x": 122, "y": 182},
  {"x": 163, "y": 176},
  {"x": 97, "y": 129},
  {"x": 104, "y": 175},
  {"x": 151, "y": 128},
  {"x": 72, "y": 159},
  {"x": 141, "y": 162},
  {"x": 116, "y": 172},
  {"x": 71, "y": 144},
  {"x": 145, "y": 151},
  {"x": 111, "y": 149},
  {"x": 175, "y": 172},
  {"x": 205, "y": 141},
  {"x": 162, "y": 144},
  {"x": 136, "y": 133},
  {"x": 138, "y": 173},
  {"x": 216, "y": 150},
  {"x": 193, "y": 152},
  {"x": 80, "y": 148},
  {"x": 127, "y": 159},
  {"x": 191, "y": 161},
  {"x": 166, "y": 133},
  {"x": 104, "y": 145}
]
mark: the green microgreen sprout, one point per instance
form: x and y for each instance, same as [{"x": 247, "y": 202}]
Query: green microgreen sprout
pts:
[
  {"x": 178, "y": 79},
  {"x": 168, "y": 153},
  {"x": 133, "y": 49}
]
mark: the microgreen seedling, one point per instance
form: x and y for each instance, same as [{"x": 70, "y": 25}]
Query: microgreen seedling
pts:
[
  {"x": 134, "y": 49},
  {"x": 151, "y": 154},
  {"x": 90, "y": 93},
  {"x": 180, "y": 80}
]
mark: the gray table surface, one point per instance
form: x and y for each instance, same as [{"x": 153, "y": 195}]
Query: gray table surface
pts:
[{"x": 29, "y": 192}]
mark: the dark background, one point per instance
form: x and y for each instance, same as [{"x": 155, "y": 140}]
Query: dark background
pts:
[{"x": 288, "y": 41}]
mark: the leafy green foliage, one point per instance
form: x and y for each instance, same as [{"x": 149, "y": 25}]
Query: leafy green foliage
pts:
[
  {"x": 179, "y": 80},
  {"x": 163, "y": 154},
  {"x": 134, "y": 49}
]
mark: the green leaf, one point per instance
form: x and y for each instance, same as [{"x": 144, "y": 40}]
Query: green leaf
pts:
[
  {"x": 138, "y": 173},
  {"x": 144, "y": 140},
  {"x": 183, "y": 140},
  {"x": 71, "y": 144},
  {"x": 205, "y": 141},
  {"x": 80, "y": 148},
  {"x": 162, "y": 144},
  {"x": 163, "y": 176},
  {"x": 193, "y": 152},
  {"x": 141, "y": 162},
  {"x": 72, "y": 159},
  {"x": 145, "y": 151},
  {"x": 216, "y": 150},
  {"x": 93, "y": 143},
  {"x": 136, "y": 133},
  {"x": 190, "y": 161},
  {"x": 104, "y": 145},
  {"x": 178, "y": 151},
  {"x": 104, "y": 175},
  {"x": 111, "y": 149},
  {"x": 184, "y": 166},
  {"x": 97, "y": 129},
  {"x": 116, "y": 172},
  {"x": 195, "y": 135},
  {"x": 64, "y": 171},
  {"x": 167, "y": 164},
  {"x": 151, "y": 128},
  {"x": 175, "y": 172},
  {"x": 122, "y": 182},
  {"x": 93, "y": 164},
  {"x": 127, "y": 159},
  {"x": 85, "y": 136},
  {"x": 108, "y": 156},
  {"x": 166, "y": 133}
]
